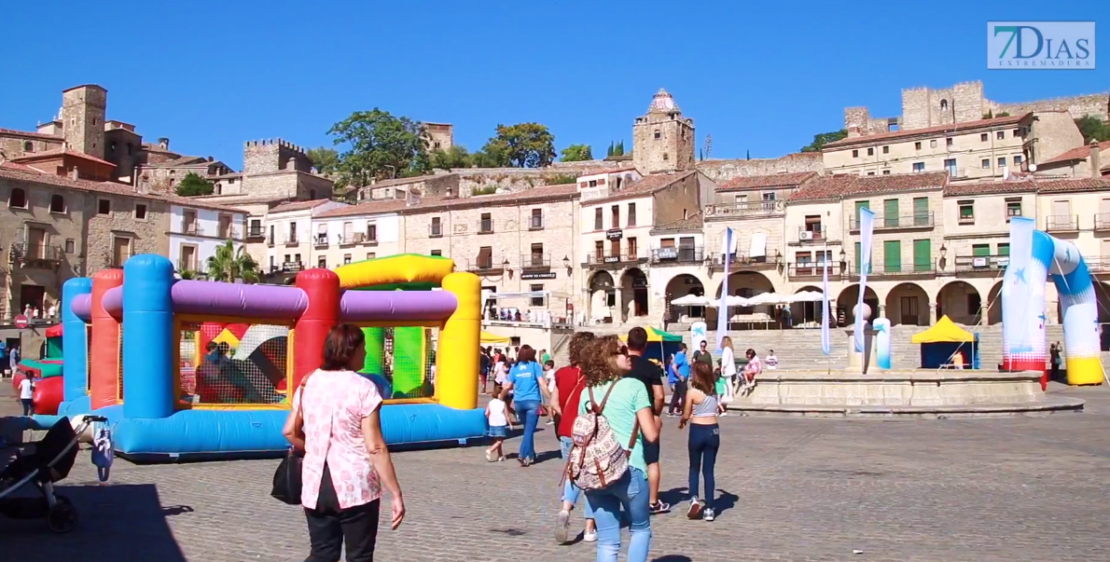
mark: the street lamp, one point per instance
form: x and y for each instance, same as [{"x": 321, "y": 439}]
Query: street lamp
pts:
[{"x": 566, "y": 263}]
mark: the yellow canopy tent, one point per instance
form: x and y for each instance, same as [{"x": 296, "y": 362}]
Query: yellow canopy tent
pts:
[
  {"x": 941, "y": 343},
  {"x": 488, "y": 338}
]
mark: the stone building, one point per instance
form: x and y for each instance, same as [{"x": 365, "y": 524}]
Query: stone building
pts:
[
  {"x": 196, "y": 231},
  {"x": 435, "y": 185},
  {"x": 1092, "y": 160},
  {"x": 441, "y": 136},
  {"x": 290, "y": 236},
  {"x": 663, "y": 140},
  {"x": 355, "y": 233}
]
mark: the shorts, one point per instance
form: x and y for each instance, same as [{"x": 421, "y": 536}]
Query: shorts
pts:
[
  {"x": 651, "y": 452},
  {"x": 500, "y": 431}
]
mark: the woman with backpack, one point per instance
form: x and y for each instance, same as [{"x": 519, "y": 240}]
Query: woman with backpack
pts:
[
  {"x": 616, "y": 412},
  {"x": 700, "y": 411}
]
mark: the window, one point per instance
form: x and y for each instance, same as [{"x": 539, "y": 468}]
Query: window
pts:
[
  {"x": 886, "y": 172},
  {"x": 950, "y": 167},
  {"x": 599, "y": 250},
  {"x": 57, "y": 204},
  {"x": 633, "y": 249},
  {"x": 17, "y": 199},
  {"x": 981, "y": 250},
  {"x": 130, "y": 148},
  {"x": 922, "y": 255},
  {"x": 855, "y": 154},
  {"x": 104, "y": 207},
  {"x": 256, "y": 227},
  {"x": 536, "y": 259},
  {"x": 1003, "y": 248},
  {"x": 985, "y": 163},
  {"x": 631, "y": 214},
  {"x": 71, "y": 246},
  {"x": 1002, "y": 162},
  {"x": 296, "y": 258},
  {"x": 1013, "y": 207},
  {"x": 665, "y": 158},
  {"x": 598, "y": 218},
  {"x": 346, "y": 259},
  {"x": 437, "y": 229},
  {"x": 984, "y": 137},
  {"x": 434, "y": 253},
  {"x": 536, "y": 222},
  {"x": 890, "y": 213},
  {"x": 917, "y": 145},
  {"x": 871, "y": 151},
  {"x": 658, "y": 135},
  {"x": 933, "y": 143},
  {"x": 486, "y": 225},
  {"x": 967, "y": 212},
  {"x": 537, "y": 300},
  {"x": 919, "y": 166},
  {"x": 615, "y": 248},
  {"x": 371, "y": 232},
  {"x": 322, "y": 262},
  {"x": 28, "y": 146},
  {"x": 140, "y": 211},
  {"x": 769, "y": 196},
  {"x": 886, "y": 150},
  {"x": 615, "y": 216},
  {"x": 870, "y": 173},
  {"x": 943, "y": 105},
  {"x": 485, "y": 257},
  {"x": 293, "y": 233},
  {"x": 1017, "y": 159},
  {"x": 593, "y": 183},
  {"x": 948, "y": 142},
  {"x": 1000, "y": 135}
]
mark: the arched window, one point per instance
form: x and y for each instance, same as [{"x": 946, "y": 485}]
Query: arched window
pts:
[
  {"x": 944, "y": 105},
  {"x": 57, "y": 204},
  {"x": 17, "y": 199},
  {"x": 28, "y": 146}
]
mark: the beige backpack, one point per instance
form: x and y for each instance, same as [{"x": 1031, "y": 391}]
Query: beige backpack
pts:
[{"x": 596, "y": 460}]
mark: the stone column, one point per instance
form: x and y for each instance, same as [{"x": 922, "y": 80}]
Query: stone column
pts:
[
  {"x": 932, "y": 313},
  {"x": 882, "y": 311}
]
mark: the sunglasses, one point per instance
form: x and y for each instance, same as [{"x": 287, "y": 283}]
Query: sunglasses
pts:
[{"x": 623, "y": 350}]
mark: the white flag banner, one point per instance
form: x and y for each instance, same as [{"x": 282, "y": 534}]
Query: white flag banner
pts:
[
  {"x": 826, "y": 341},
  {"x": 866, "y": 229},
  {"x": 728, "y": 243}
]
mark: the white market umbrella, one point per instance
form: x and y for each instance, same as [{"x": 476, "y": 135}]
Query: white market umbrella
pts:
[
  {"x": 768, "y": 298},
  {"x": 690, "y": 300},
  {"x": 731, "y": 300},
  {"x": 807, "y": 296}
]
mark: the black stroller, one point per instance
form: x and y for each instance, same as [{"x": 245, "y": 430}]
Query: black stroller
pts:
[{"x": 49, "y": 461}]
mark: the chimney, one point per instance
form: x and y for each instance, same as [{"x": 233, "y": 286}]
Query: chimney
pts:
[
  {"x": 164, "y": 143},
  {"x": 1096, "y": 166},
  {"x": 450, "y": 193},
  {"x": 73, "y": 173}
]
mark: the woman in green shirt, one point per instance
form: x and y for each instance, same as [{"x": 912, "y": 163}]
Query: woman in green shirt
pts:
[{"x": 628, "y": 411}]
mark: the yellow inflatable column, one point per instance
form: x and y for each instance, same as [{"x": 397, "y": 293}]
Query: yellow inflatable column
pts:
[{"x": 457, "y": 355}]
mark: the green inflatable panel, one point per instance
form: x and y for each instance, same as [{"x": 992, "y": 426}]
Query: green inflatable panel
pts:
[
  {"x": 375, "y": 351},
  {"x": 53, "y": 348},
  {"x": 409, "y": 361}
]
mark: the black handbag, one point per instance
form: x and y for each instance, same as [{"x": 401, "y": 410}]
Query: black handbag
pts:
[{"x": 287, "y": 478}]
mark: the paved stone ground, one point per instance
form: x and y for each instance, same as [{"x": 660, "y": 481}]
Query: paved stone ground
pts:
[{"x": 1006, "y": 489}]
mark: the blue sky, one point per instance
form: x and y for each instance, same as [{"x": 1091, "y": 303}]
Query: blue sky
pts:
[{"x": 759, "y": 77}]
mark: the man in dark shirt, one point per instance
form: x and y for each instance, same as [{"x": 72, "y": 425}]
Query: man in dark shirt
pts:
[
  {"x": 652, "y": 376},
  {"x": 702, "y": 354}
]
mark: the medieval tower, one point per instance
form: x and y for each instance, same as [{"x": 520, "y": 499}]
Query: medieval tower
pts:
[
  {"x": 83, "y": 111},
  {"x": 663, "y": 140}
]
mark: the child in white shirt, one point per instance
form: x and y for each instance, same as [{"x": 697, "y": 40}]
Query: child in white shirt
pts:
[{"x": 496, "y": 413}]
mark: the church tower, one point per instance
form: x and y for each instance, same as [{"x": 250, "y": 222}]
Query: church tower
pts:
[
  {"x": 83, "y": 111},
  {"x": 663, "y": 140}
]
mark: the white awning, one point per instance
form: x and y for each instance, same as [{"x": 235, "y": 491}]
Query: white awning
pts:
[
  {"x": 528, "y": 295},
  {"x": 759, "y": 245}
]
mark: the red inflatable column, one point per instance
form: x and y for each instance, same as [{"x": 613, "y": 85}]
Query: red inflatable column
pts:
[
  {"x": 322, "y": 288},
  {"x": 104, "y": 349}
]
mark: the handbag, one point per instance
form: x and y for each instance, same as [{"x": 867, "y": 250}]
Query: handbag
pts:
[{"x": 287, "y": 478}]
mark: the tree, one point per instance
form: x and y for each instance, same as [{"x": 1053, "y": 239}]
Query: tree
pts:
[
  {"x": 231, "y": 264},
  {"x": 577, "y": 153},
  {"x": 822, "y": 139},
  {"x": 324, "y": 159},
  {"x": 193, "y": 185},
  {"x": 454, "y": 157},
  {"x": 524, "y": 145},
  {"x": 1093, "y": 129},
  {"x": 609, "y": 152},
  {"x": 378, "y": 145},
  {"x": 619, "y": 149}
]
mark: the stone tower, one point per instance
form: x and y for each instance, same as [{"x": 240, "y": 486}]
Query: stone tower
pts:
[
  {"x": 83, "y": 111},
  {"x": 663, "y": 140}
]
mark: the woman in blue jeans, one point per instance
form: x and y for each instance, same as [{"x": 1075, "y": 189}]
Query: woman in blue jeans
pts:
[
  {"x": 628, "y": 411},
  {"x": 700, "y": 411},
  {"x": 528, "y": 388}
]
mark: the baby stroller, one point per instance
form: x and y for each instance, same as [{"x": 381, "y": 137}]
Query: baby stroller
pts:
[{"x": 49, "y": 462}]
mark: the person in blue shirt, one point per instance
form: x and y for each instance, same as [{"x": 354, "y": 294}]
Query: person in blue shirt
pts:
[
  {"x": 529, "y": 391},
  {"x": 682, "y": 370}
]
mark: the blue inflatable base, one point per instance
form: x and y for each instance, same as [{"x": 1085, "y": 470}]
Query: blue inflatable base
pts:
[{"x": 237, "y": 434}]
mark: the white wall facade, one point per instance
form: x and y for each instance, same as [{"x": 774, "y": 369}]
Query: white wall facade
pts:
[{"x": 203, "y": 236}]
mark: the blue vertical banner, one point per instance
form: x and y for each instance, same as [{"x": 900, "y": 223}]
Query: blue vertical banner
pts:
[
  {"x": 826, "y": 317},
  {"x": 722, "y": 310},
  {"x": 866, "y": 229}
]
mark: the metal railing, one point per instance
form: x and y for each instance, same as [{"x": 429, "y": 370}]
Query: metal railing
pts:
[
  {"x": 493, "y": 265},
  {"x": 292, "y": 241},
  {"x": 816, "y": 269},
  {"x": 993, "y": 262},
  {"x": 256, "y": 232},
  {"x": 740, "y": 260},
  {"x": 191, "y": 229},
  {"x": 535, "y": 261},
  {"x": 1102, "y": 221},
  {"x": 1060, "y": 223},
  {"x": 609, "y": 257},
  {"x": 37, "y": 253},
  {"x": 1098, "y": 264},
  {"x": 435, "y": 230},
  {"x": 745, "y": 209},
  {"x": 901, "y": 268},
  {"x": 321, "y": 240},
  {"x": 535, "y": 222},
  {"x": 191, "y": 265},
  {"x": 678, "y": 254},
  {"x": 916, "y": 220},
  {"x": 352, "y": 238}
]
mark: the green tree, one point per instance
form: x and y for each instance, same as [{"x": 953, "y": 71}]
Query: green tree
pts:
[
  {"x": 193, "y": 185},
  {"x": 822, "y": 139},
  {"x": 231, "y": 264},
  {"x": 1093, "y": 129},
  {"x": 324, "y": 159},
  {"x": 454, "y": 157},
  {"x": 378, "y": 145},
  {"x": 524, "y": 145},
  {"x": 619, "y": 149},
  {"x": 577, "y": 153}
]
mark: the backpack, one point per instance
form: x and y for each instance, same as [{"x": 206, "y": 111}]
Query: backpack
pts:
[{"x": 596, "y": 460}]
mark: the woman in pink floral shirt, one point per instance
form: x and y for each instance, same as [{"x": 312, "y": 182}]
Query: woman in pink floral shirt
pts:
[{"x": 336, "y": 422}]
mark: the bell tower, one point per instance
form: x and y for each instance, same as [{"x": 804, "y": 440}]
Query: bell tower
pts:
[{"x": 662, "y": 139}]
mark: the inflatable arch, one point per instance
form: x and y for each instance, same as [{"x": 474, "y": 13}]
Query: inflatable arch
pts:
[{"x": 1034, "y": 255}]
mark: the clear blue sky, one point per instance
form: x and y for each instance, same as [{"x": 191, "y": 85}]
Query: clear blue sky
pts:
[{"x": 762, "y": 77}]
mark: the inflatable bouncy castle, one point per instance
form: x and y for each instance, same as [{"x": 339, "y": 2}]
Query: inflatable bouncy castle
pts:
[{"x": 200, "y": 369}]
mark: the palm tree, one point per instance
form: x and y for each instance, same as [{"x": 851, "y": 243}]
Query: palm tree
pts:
[{"x": 231, "y": 264}]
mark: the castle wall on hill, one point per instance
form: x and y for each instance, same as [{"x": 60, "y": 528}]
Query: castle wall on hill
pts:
[{"x": 724, "y": 170}]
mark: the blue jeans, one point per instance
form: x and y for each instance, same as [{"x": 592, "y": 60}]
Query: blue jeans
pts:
[
  {"x": 631, "y": 493},
  {"x": 528, "y": 411},
  {"x": 704, "y": 442},
  {"x": 570, "y": 491}
]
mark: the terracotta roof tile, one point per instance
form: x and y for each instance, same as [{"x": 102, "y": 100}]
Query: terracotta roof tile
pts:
[
  {"x": 645, "y": 186},
  {"x": 954, "y": 127},
  {"x": 695, "y": 222},
  {"x": 841, "y": 186},
  {"x": 110, "y": 188},
  {"x": 299, "y": 205},
  {"x": 958, "y": 189},
  {"x": 1080, "y": 153},
  {"x": 540, "y": 193},
  {"x": 20, "y": 167},
  {"x": 29, "y": 134},
  {"x": 824, "y": 187},
  {"x": 1071, "y": 185},
  {"x": 368, "y": 208},
  {"x": 744, "y": 183},
  {"x": 32, "y": 156}
]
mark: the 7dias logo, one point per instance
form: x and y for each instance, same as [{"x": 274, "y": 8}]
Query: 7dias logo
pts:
[{"x": 1041, "y": 45}]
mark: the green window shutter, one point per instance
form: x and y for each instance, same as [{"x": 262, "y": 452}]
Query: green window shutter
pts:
[
  {"x": 1003, "y": 249},
  {"x": 922, "y": 255},
  {"x": 921, "y": 211},
  {"x": 858, "y": 251},
  {"x": 890, "y": 213},
  {"x": 981, "y": 250},
  {"x": 861, "y": 205},
  {"x": 892, "y": 256}
]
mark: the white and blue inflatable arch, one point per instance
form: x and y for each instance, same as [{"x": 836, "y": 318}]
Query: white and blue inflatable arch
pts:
[{"x": 1034, "y": 256}]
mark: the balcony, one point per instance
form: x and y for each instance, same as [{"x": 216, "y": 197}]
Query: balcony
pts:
[
  {"x": 491, "y": 266},
  {"x": 816, "y": 269},
  {"x": 270, "y": 242},
  {"x": 746, "y": 210},
  {"x": 1102, "y": 221},
  {"x": 681, "y": 254},
  {"x": 255, "y": 233},
  {"x": 191, "y": 229},
  {"x": 814, "y": 234},
  {"x": 288, "y": 267},
  {"x": 917, "y": 221},
  {"x": 352, "y": 238},
  {"x": 189, "y": 265},
  {"x": 292, "y": 241},
  {"x": 321, "y": 241},
  {"x": 485, "y": 226},
  {"x": 984, "y": 264},
  {"x": 37, "y": 255},
  {"x": 535, "y": 222},
  {"x": 1098, "y": 264},
  {"x": 610, "y": 258},
  {"x": 897, "y": 269},
  {"x": 1062, "y": 223},
  {"x": 435, "y": 231},
  {"x": 741, "y": 261},
  {"x": 534, "y": 262}
]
